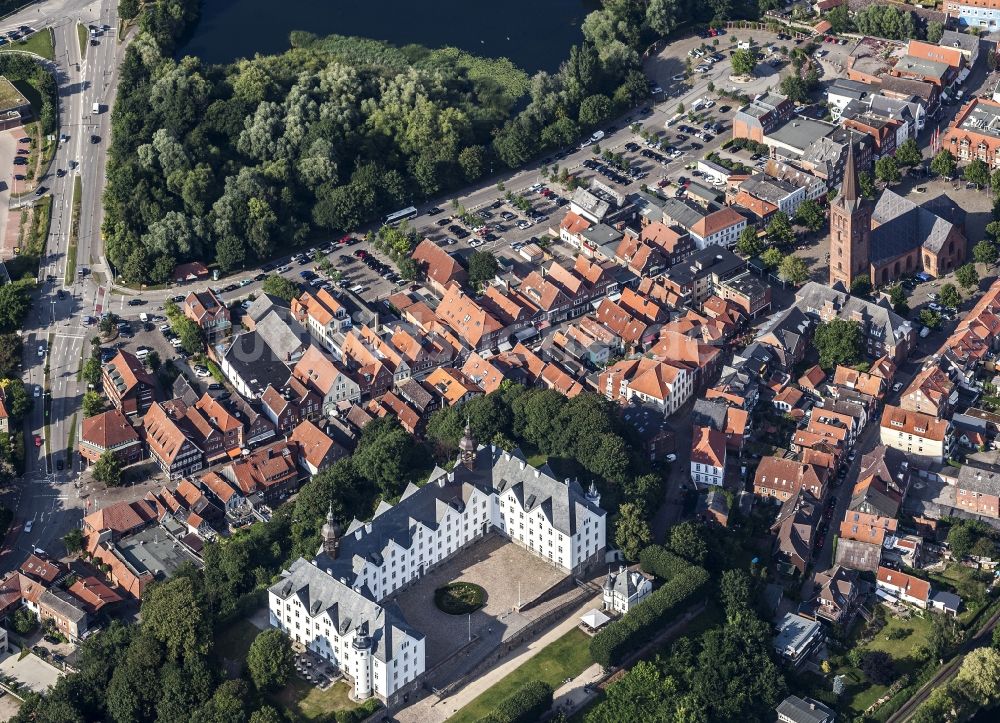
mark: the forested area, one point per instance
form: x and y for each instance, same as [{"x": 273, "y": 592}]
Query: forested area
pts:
[{"x": 232, "y": 162}]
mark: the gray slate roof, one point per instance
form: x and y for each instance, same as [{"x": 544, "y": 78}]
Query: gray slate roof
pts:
[
  {"x": 707, "y": 413},
  {"x": 903, "y": 225},
  {"x": 813, "y": 296},
  {"x": 494, "y": 472},
  {"x": 767, "y": 188},
  {"x": 804, "y": 710},
  {"x": 318, "y": 591},
  {"x": 286, "y": 337},
  {"x": 254, "y": 361},
  {"x": 266, "y": 303},
  {"x": 979, "y": 479}
]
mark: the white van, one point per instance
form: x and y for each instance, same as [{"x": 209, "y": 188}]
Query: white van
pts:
[
  {"x": 97, "y": 107},
  {"x": 141, "y": 354},
  {"x": 598, "y": 135},
  {"x": 144, "y": 317}
]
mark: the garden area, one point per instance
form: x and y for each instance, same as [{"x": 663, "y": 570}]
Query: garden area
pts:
[
  {"x": 564, "y": 658},
  {"x": 304, "y": 701},
  {"x": 459, "y": 598},
  {"x": 906, "y": 644}
]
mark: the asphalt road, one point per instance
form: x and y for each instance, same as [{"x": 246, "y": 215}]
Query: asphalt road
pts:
[{"x": 46, "y": 495}]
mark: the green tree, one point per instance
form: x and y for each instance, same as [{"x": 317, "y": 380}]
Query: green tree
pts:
[
  {"x": 173, "y": 612},
  {"x": 908, "y": 154},
  {"x": 93, "y": 404},
  {"x": 950, "y": 298},
  {"x": 108, "y": 469},
  {"x": 794, "y": 87},
  {"x": 944, "y": 163},
  {"x": 686, "y": 540},
  {"x": 861, "y": 285},
  {"x": 811, "y": 215},
  {"x": 793, "y": 270},
  {"x": 594, "y": 110},
  {"x": 866, "y": 183},
  {"x": 280, "y": 287},
  {"x": 91, "y": 372},
  {"x": 935, "y": 30},
  {"x": 772, "y": 258},
  {"x": 985, "y": 252},
  {"x": 73, "y": 541},
  {"x": 748, "y": 243},
  {"x": 967, "y": 276},
  {"x": 877, "y": 667},
  {"x": 631, "y": 531},
  {"x": 963, "y": 535},
  {"x": 743, "y": 62},
  {"x": 980, "y": 675},
  {"x": 839, "y": 342},
  {"x": 14, "y": 304},
  {"x": 930, "y": 319},
  {"x": 897, "y": 297},
  {"x": 483, "y": 266},
  {"x": 270, "y": 659},
  {"x": 128, "y": 9},
  {"x": 977, "y": 172},
  {"x": 887, "y": 170},
  {"x": 779, "y": 230},
  {"x": 23, "y": 621},
  {"x": 266, "y": 714}
]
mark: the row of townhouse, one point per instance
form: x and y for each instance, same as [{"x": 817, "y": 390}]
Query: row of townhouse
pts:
[{"x": 39, "y": 585}]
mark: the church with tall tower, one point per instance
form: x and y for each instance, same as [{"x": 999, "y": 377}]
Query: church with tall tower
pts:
[
  {"x": 850, "y": 229},
  {"x": 884, "y": 241}
]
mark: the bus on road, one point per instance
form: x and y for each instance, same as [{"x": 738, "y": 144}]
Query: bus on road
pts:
[{"x": 398, "y": 217}]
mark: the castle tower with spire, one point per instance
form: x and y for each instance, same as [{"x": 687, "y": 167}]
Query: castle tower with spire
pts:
[
  {"x": 850, "y": 228},
  {"x": 467, "y": 447},
  {"x": 330, "y": 535}
]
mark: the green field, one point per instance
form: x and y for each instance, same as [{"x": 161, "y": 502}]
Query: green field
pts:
[
  {"x": 81, "y": 34},
  {"x": 306, "y": 702},
  {"x": 74, "y": 231},
  {"x": 860, "y": 693},
  {"x": 564, "y": 658},
  {"x": 39, "y": 43}
]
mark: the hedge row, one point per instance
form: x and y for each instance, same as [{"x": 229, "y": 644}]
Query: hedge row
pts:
[
  {"x": 527, "y": 704},
  {"x": 642, "y": 623},
  {"x": 660, "y": 562}
]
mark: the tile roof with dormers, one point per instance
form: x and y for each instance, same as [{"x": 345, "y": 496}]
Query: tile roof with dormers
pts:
[
  {"x": 547, "y": 295},
  {"x": 108, "y": 430},
  {"x": 468, "y": 320},
  {"x": 915, "y": 423},
  {"x": 483, "y": 372},
  {"x": 616, "y": 318},
  {"x": 437, "y": 264},
  {"x": 708, "y": 446},
  {"x": 313, "y": 444}
]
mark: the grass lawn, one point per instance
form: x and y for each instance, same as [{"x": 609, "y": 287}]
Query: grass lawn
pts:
[
  {"x": 303, "y": 701},
  {"x": 234, "y": 642},
  {"x": 564, "y": 658},
  {"x": 39, "y": 43},
  {"x": 860, "y": 693},
  {"x": 81, "y": 34},
  {"x": 74, "y": 231}
]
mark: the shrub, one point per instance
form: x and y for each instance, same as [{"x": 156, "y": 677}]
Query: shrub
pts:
[
  {"x": 459, "y": 598},
  {"x": 661, "y": 562},
  {"x": 527, "y": 704},
  {"x": 609, "y": 646}
]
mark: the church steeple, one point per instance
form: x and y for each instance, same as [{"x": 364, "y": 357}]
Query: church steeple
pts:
[
  {"x": 331, "y": 535},
  {"x": 850, "y": 228},
  {"x": 467, "y": 447},
  {"x": 849, "y": 191}
]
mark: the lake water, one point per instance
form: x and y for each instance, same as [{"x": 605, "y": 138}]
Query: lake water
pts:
[{"x": 535, "y": 34}]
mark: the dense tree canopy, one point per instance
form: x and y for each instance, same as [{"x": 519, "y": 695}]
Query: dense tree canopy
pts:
[
  {"x": 234, "y": 162},
  {"x": 838, "y": 341}
]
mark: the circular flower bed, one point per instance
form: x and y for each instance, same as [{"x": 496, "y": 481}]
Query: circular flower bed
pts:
[{"x": 459, "y": 598}]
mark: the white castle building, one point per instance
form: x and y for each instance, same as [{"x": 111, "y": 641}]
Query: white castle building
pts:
[{"x": 333, "y": 606}]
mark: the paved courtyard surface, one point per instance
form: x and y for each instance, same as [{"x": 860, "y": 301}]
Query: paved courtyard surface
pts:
[
  {"x": 31, "y": 670},
  {"x": 9, "y": 706},
  {"x": 501, "y": 568}
]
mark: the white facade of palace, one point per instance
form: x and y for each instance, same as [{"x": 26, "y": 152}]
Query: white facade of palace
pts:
[{"x": 331, "y": 605}]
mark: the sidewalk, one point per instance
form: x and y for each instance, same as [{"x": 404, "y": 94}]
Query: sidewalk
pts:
[{"x": 433, "y": 710}]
